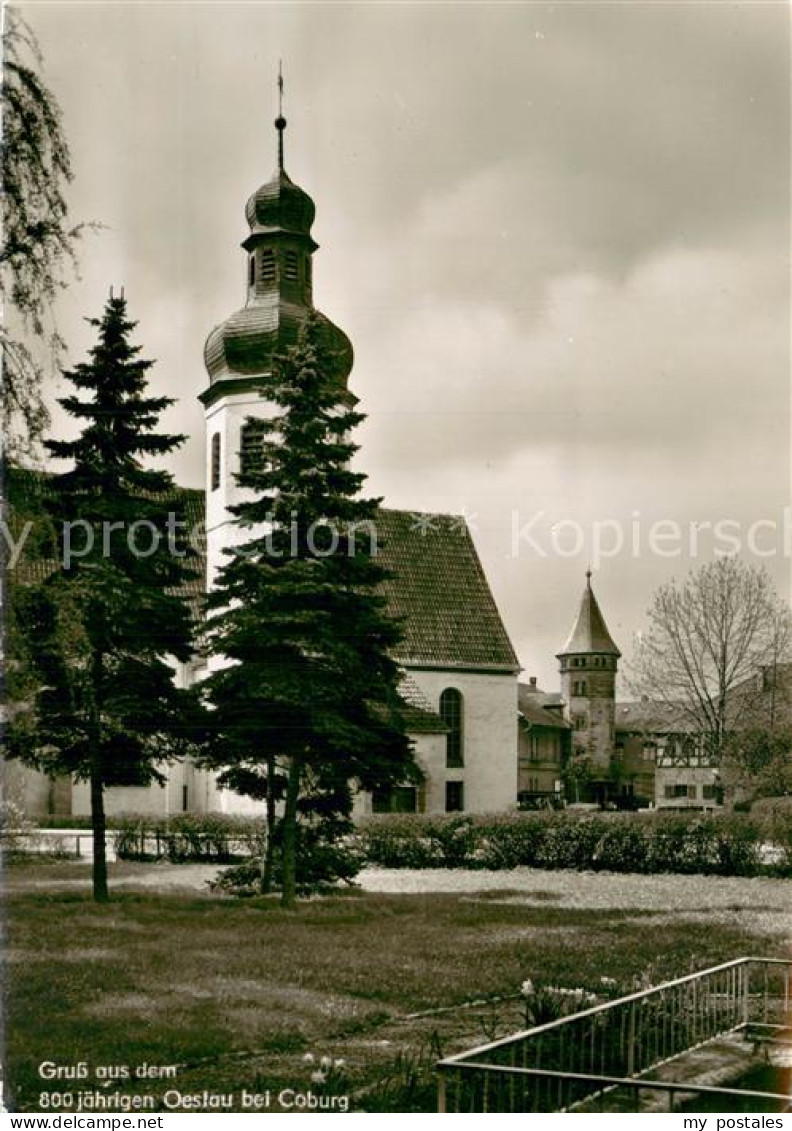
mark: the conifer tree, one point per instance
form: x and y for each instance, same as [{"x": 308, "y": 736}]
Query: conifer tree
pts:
[
  {"x": 308, "y": 682},
  {"x": 96, "y": 633}
]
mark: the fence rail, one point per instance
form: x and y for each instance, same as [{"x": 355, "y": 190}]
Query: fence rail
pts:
[{"x": 564, "y": 1063}]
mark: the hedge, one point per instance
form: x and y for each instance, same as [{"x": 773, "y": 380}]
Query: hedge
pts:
[
  {"x": 206, "y": 837},
  {"x": 726, "y": 844}
]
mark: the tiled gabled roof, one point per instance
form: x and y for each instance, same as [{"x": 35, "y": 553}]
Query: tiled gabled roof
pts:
[
  {"x": 450, "y": 619},
  {"x": 645, "y": 716}
]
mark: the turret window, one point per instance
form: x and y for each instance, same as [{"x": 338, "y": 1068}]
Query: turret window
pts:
[
  {"x": 267, "y": 265},
  {"x": 251, "y": 270},
  {"x": 215, "y": 462},
  {"x": 579, "y": 687},
  {"x": 292, "y": 266}
]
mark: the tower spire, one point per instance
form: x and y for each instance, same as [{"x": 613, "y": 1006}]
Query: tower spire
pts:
[{"x": 280, "y": 121}]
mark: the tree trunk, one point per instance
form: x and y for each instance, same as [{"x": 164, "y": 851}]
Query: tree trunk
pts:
[
  {"x": 98, "y": 824},
  {"x": 289, "y": 839},
  {"x": 268, "y": 858},
  {"x": 100, "y": 892}
]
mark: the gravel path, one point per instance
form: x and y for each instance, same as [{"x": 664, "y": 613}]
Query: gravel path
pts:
[
  {"x": 757, "y": 904},
  {"x": 760, "y": 904},
  {"x": 590, "y": 889}
]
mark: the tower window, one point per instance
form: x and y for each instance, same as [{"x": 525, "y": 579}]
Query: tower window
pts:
[
  {"x": 292, "y": 266},
  {"x": 251, "y": 441},
  {"x": 251, "y": 270},
  {"x": 579, "y": 687},
  {"x": 267, "y": 267},
  {"x": 215, "y": 461},
  {"x": 451, "y": 714}
]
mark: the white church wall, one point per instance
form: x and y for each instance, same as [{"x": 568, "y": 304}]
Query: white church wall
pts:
[
  {"x": 33, "y": 792},
  {"x": 226, "y": 417},
  {"x": 118, "y": 799},
  {"x": 490, "y": 738},
  {"x": 430, "y": 755}
]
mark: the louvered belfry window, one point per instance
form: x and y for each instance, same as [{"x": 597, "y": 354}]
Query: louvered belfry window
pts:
[
  {"x": 451, "y": 714},
  {"x": 267, "y": 265},
  {"x": 251, "y": 441},
  {"x": 292, "y": 266}
]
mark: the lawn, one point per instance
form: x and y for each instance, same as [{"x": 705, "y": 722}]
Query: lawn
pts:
[{"x": 237, "y": 994}]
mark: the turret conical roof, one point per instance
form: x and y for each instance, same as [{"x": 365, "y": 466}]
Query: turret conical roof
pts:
[{"x": 590, "y": 633}]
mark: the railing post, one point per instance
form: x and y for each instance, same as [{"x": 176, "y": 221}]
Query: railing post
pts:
[
  {"x": 441, "y": 1092},
  {"x": 631, "y": 1041},
  {"x": 745, "y": 988}
]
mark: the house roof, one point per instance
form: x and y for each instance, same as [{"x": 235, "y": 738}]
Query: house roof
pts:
[
  {"x": 532, "y": 704},
  {"x": 590, "y": 633},
  {"x": 650, "y": 716},
  {"x": 450, "y": 619},
  {"x": 437, "y": 585}
]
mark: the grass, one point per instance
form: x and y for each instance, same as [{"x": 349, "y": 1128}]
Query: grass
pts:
[{"x": 237, "y": 993}]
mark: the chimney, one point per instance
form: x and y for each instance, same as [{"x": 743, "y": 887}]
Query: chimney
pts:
[{"x": 532, "y": 681}]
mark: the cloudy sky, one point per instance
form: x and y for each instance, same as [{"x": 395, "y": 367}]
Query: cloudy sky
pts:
[{"x": 557, "y": 235}]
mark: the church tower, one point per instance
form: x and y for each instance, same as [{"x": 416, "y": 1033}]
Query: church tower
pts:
[
  {"x": 588, "y": 663},
  {"x": 239, "y": 353}
]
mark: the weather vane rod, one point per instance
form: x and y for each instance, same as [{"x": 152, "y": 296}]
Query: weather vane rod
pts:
[{"x": 280, "y": 121}]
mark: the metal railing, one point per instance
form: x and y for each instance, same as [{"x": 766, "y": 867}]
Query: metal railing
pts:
[{"x": 575, "y": 1059}]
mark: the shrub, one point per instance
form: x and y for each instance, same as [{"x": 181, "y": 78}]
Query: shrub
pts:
[
  {"x": 398, "y": 842},
  {"x": 510, "y": 842},
  {"x": 17, "y": 832},
  {"x": 623, "y": 846},
  {"x": 322, "y": 861}
]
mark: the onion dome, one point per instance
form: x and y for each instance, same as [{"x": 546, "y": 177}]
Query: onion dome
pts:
[
  {"x": 280, "y": 206},
  {"x": 246, "y": 343}
]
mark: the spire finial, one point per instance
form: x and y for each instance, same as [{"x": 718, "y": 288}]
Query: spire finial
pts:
[
  {"x": 280, "y": 121},
  {"x": 588, "y": 577}
]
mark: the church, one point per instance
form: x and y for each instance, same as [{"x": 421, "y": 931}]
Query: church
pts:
[{"x": 459, "y": 668}]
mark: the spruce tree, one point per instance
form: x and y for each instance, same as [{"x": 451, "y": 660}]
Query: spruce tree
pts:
[
  {"x": 103, "y": 705},
  {"x": 308, "y": 683}
]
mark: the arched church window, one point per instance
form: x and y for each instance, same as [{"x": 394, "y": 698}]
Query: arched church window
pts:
[
  {"x": 251, "y": 440},
  {"x": 267, "y": 265},
  {"x": 292, "y": 266},
  {"x": 451, "y": 712},
  {"x": 215, "y": 461}
]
